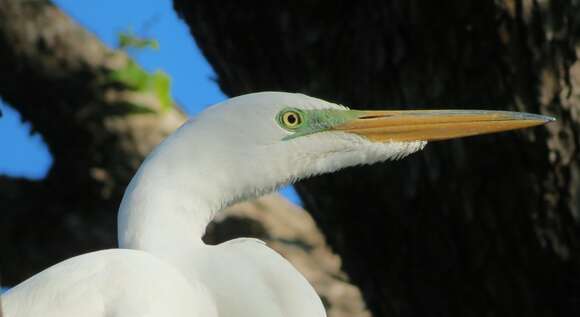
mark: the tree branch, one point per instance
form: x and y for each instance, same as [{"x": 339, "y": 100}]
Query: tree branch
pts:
[{"x": 46, "y": 74}]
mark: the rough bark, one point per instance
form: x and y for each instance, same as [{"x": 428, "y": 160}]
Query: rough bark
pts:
[{"x": 485, "y": 226}]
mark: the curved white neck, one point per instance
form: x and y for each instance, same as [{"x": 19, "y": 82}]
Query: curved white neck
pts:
[
  {"x": 182, "y": 185},
  {"x": 173, "y": 196}
]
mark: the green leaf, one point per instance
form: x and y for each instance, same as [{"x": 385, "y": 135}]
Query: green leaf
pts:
[
  {"x": 135, "y": 78},
  {"x": 127, "y": 39},
  {"x": 162, "y": 88},
  {"x": 132, "y": 76}
]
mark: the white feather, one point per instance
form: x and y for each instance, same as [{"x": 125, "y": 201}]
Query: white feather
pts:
[{"x": 112, "y": 282}]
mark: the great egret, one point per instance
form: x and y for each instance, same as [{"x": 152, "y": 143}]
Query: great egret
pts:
[
  {"x": 248, "y": 146},
  {"x": 239, "y": 149}
]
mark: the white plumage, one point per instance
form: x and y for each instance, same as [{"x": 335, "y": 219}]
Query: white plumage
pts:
[
  {"x": 233, "y": 151},
  {"x": 112, "y": 282}
]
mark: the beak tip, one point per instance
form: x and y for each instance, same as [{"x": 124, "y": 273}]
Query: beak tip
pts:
[{"x": 541, "y": 119}]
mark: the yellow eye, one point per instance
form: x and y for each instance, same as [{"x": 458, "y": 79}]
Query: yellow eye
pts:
[{"x": 291, "y": 119}]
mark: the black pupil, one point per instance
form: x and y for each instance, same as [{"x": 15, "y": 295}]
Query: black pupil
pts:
[{"x": 291, "y": 119}]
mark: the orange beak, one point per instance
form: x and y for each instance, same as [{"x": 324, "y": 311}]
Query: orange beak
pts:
[{"x": 435, "y": 125}]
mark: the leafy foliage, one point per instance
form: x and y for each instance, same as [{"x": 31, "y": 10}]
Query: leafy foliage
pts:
[
  {"x": 128, "y": 39},
  {"x": 135, "y": 78}
]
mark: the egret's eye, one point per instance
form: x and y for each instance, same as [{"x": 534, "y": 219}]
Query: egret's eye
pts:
[{"x": 291, "y": 119}]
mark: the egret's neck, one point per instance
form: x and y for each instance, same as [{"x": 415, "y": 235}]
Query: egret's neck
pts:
[{"x": 176, "y": 193}]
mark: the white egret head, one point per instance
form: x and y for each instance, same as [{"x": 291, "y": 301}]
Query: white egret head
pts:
[{"x": 294, "y": 134}]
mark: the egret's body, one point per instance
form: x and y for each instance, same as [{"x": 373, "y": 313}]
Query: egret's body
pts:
[
  {"x": 240, "y": 149},
  {"x": 114, "y": 282}
]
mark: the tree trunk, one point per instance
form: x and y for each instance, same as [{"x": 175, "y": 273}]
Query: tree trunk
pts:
[{"x": 485, "y": 226}]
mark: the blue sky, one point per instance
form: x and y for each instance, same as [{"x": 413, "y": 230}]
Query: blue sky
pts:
[{"x": 192, "y": 77}]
